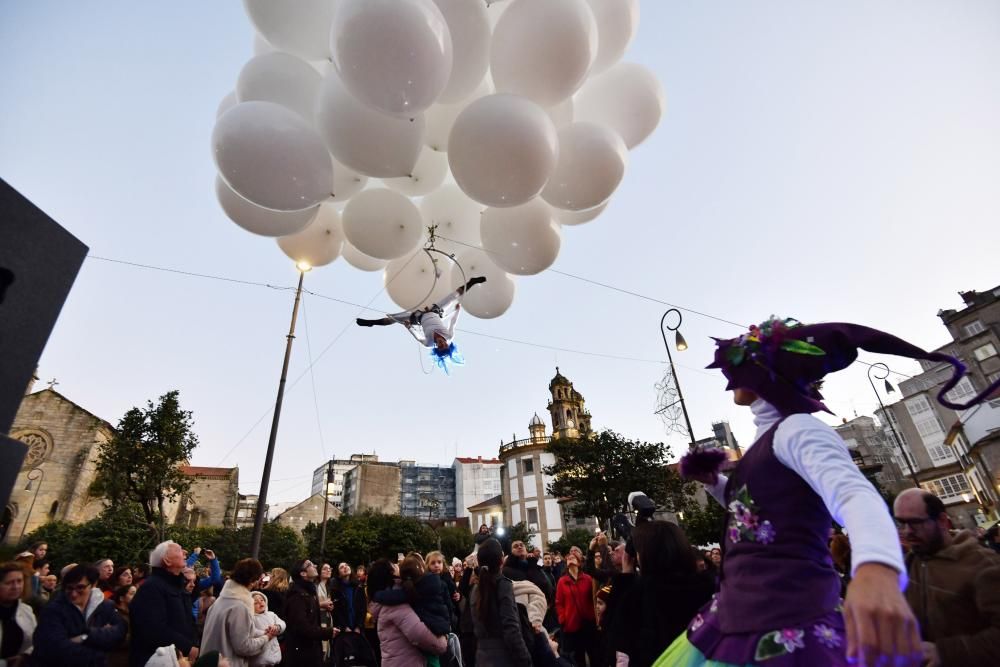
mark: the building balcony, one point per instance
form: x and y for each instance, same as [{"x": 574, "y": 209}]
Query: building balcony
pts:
[{"x": 524, "y": 442}]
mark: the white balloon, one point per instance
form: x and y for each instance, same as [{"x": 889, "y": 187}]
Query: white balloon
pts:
[
  {"x": 365, "y": 140},
  {"x": 456, "y": 216},
  {"x": 522, "y": 240},
  {"x": 416, "y": 281},
  {"x": 360, "y": 260},
  {"x": 319, "y": 243},
  {"x": 226, "y": 103},
  {"x": 494, "y": 10},
  {"x": 382, "y": 223},
  {"x": 592, "y": 160},
  {"x": 542, "y": 49},
  {"x": 280, "y": 78},
  {"x": 393, "y": 55},
  {"x": 565, "y": 217},
  {"x": 628, "y": 98},
  {"x": 502, "y": 150},
  {"x": 441, "y": 117},
  {"x": 469, "y": 26},
  {"x": 617, "y": 21},
  {"x": 300, "y": 27},
  {"x": 485, "y": 300},
  {"x": 427, "y": 175},
  {"x": 261, "y": 45},
  {"x": 259, "y": 220},
  {"x": 271, "y": 156},
  {"x": 346, "y": 183},
  {"x": 562, "y": 113}
]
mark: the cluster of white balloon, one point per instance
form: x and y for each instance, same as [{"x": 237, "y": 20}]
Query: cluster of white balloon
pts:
[{"x": 498, "y": 121}]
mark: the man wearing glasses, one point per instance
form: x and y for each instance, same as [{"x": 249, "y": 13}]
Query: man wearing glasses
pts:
[
  {"x": 954, "y": 586},
  {"x": 304, "y": 635}
]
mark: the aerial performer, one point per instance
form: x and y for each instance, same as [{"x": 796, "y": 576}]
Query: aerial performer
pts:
[
  {"x": 433, "y": 326},
  {"x": 779, "y": 601}
]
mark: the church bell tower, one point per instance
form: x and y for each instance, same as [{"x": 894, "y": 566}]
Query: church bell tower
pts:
[{"x": 570, "y": 418}]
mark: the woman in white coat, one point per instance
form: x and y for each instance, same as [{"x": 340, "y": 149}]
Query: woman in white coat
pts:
[
  {"x": 229, "y": 626},
  {"x": 17, "y": 620}
]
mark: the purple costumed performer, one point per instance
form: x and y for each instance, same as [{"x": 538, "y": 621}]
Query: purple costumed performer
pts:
[{"x": 779, "y": 598}]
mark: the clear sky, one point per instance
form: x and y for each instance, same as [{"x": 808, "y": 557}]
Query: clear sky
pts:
[{"x": 828, "y": 161}]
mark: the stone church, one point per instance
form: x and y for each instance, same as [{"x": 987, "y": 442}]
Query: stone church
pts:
[{"x": 63, "y": 441}]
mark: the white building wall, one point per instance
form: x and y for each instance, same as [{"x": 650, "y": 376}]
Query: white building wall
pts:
[{"x": 474, "y": 483}]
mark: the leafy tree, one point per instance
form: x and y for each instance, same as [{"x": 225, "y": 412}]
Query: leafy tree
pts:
[
  {"x": 456, "y": 542},
  {"x": 62, "y": 541},
  {"x": 574, "y": 537},
  {"x": 599, "y": 471},
  {"x": 704, "y": 525},
  {"x": 362, "y": 538},
  {"x": 141, "y": 463}
]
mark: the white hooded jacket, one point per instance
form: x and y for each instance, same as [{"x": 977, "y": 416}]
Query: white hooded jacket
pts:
[{"x": 271, "y": 655}]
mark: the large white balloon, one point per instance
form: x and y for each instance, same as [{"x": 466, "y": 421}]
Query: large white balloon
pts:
[
  {"x": 271, "y": 156},
  {"x": 261, "y": 45},
  {"x": 441, "y": 117},
  {"x": 469, "y": 27},
  {"x": 427, "y": 175},
  {"x": 456, "y": 217},
  {"x": 300, "y": 27},
  {"x": 346, "y": 183},
  {"x": 564, "y": 217},
  {"x": 382, "y": 223},
  {"x": 360, "y": 260},
  {"x": 592, "y": 160},
  {"x": 542, "y": 49},
  {"x": 522, "y": 240},
  {"x": 226, "y": 103},
  {"x": 393, "y": 55},
  {"x": 485, "y": 300},
  {"x": 628, "y": 98},
  {"x": 617, "y": 21},
  {"x": 502, "y": 150},
  {"x": 259, "y": 220},
  {"x": 319, "y": 243},
  {"x": 411, "y": 283},
  {"x": 562, "y": 113},
  {"x": 365, "y": 140},
  {"x": 280, "y": 78}
]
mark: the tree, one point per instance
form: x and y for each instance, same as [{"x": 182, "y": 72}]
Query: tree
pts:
[
  {"x": 365, "y": 537},
  {"x": 456, "y": 542},
  {"x": 598, "y": 472},
  {"x": 141, "y": 463},
  {"x": 574, "y": 537},
  {"x": 704, "y": 525}
]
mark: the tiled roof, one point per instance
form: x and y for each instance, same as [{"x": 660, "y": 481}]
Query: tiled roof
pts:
[
  {"x": 200, "y": 471},
  {"x": 478, "y": 459}
]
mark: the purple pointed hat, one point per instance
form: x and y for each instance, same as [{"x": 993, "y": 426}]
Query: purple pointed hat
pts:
[{"x": 782, "y": 361}]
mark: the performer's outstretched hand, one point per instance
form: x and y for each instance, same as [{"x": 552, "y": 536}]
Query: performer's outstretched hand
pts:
[{"x": 881, "y": 628}]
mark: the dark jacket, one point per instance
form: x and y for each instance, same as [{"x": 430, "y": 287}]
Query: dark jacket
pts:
[
  {"x": 275, "y": 601},
  {"x": 303, "y": 634},
  {"x": 350, "y": 605},
  {"x": 62, "y": 620},
  {"x": 652, "y": 612},
  {"x": 501, "y": 641},
  {"x": 432, "y": 603},
  {"x": 450, "y": 588},
  {"x": 516, "y": 569},
  {"x": 160, "y": 617}
]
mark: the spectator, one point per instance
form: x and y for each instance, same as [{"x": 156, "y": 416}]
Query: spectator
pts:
[
  {"x": 361, "y": 574},
  {"x": 500, "y": 640},
  {"x": 519, "y": 567},
  {"x": 303, "y": 633},
  {"x": 456, "y": 570},
  {"x": 716, "y": 557},
  {"x": 349, "y": 603},
  {"x": 26, "y": 561},
  {"x": 954, "y": 588},
  {"x": 41, "y": 569},
  {"x": 140, "y": 573},
  {"x": 992, "y": 537},
  {"x": 205, "y": 601},
  {"x": 158, "y": 613},
  {"x": 482, "y": 535},
  {"x": 275, "y": 591},
  {"x": 323, "y": 595},
  {"x": 424, "y": 592},
  {"x": 575, "y": 608},
  {"x": 17, "y": 620},
  {"x": 403, "y": 638},
  {"x": 106, "y": 568},
  {"x": 435, "y": 566},
  {"x": 190, "y": 584},
  {"x": 558, "y": 566},
  {"x": 263, "y": 621},
  {"x": 40, "y": 550},
  {"x": 214, "y": 577},
  {"x": 229, "y": 626},
  {"x": 657, "y": 606},
  {"x": 122, "y": 576},
  {"x": 78, "y": 627},
  {"x": 121, "y": 599},
  {"x": 49, "y": 583}
]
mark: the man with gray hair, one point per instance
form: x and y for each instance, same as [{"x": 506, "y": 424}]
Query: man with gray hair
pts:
[{"x": 158, "y": 613}]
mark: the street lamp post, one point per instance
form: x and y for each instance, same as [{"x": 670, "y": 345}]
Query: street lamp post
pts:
[
  {"x": 681, "y": 346},
  {"x": 888, "y": 389},
  {"x": 33, "y": 474},
  {"x": 258, "y": 521},
  {"x": 326, "y": 507}
]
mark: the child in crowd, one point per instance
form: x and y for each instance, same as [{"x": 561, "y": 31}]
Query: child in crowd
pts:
[
  {"x": 425, "y": 593},
  {"x": 262, "y": 620},
  {"x": 435, "y": 565}
]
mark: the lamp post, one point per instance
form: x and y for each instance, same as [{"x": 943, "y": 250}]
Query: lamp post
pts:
[
  {"x": 888, "y": 390},
  {"x": 33, "y": 474},
  {"x": 258, "y": 520},
  {"x": 681, "y": 345},
  {"x": 326, "y": 507}
]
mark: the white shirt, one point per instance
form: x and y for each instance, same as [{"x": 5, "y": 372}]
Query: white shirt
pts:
[{"x": 820, "y": 457}]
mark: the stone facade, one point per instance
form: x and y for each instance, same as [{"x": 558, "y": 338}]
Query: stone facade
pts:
[
  {"x": 308, "y": 511},
  {"x": 64, "y": 439},
  {"x": 372, "y": 486},
  {"x": 212, "y": 500}
]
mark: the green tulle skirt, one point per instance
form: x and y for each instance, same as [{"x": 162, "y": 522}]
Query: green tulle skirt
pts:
[{"x": 683, "y": 653}]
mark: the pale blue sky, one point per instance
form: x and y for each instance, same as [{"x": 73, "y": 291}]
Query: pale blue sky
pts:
[{"x": 831, "y": 161}]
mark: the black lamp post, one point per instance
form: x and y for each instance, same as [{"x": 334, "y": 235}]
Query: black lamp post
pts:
[
  {"x": 33, "y": 474},
  {"x": 681, "y": 345},
  {"x": 888, "y": 390}
]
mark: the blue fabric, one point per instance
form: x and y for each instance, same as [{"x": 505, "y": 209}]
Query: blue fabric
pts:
[
  {"x": 443, "y": 360},
  {"x": 349, "y": 594}
]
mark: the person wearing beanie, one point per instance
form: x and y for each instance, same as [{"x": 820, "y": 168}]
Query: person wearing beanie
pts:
[{"x": 779, "y": 597}]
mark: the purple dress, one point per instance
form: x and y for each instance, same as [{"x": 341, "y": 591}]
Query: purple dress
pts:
[{"x": 779, "y": 598}]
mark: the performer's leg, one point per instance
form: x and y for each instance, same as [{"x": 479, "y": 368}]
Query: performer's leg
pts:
[
  {"x": 472, "y": 281},
  {"x": 383, "y": 322}
]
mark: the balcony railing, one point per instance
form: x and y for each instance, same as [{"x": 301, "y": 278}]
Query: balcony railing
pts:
[{"x": 524, "y": 442}]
